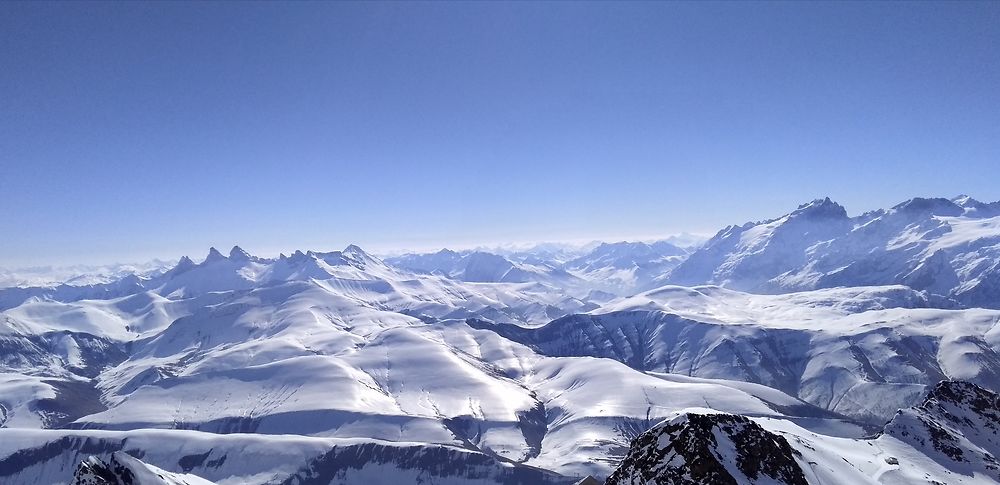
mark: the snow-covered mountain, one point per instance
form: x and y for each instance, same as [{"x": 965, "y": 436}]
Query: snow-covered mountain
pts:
[
  {"x": 626, "y": 267},
  {"x": 860, "y": 352},
  {"x": 945, "y": 247},
  {"x": 487, "y": 267},
  {"x": 620, "y": 268}
]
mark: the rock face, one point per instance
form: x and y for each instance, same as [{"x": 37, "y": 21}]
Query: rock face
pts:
[
  {"x": 122, "y": 469},
  {"x": 953, "y": 436},
  {"x": 708, "y": 448},
  {"x": 93, "y": 471},
  {"x": 958, "y": 424}
]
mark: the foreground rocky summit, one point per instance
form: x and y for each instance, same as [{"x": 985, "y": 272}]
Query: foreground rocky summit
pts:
[
  {"x": 708, "y": 448},
  {"x": 952, "y": 437},
  {"x": 122, "y": 469}
]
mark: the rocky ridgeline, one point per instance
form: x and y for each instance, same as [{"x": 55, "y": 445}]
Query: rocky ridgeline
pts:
[{"x": 958, "y": 422}]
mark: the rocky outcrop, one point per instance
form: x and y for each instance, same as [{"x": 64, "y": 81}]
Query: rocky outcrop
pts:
[
  {"x": 122, "y": 469},
  {"x": 708, "y": 448},
  {"x": 957, "y": 425}
]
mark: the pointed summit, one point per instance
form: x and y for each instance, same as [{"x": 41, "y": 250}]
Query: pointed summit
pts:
[
  {"x": 354, "y": 250},
  {"x": 183, "y": 264},
  {"x": 360, "y": 256},
  {"x": 238, "y": 254},
  {"x": 821, "y": 208},
  {"x": 213, "y": 256}
]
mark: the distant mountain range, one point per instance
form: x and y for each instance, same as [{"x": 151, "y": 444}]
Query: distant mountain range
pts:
[{"x": 617, "y": 268}]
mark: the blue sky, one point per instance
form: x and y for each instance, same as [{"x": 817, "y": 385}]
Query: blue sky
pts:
[{"x": 133, "y": 130}]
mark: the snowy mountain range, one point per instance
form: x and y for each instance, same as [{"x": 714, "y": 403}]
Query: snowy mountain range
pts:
[
  {"x": 616, "y": 269},
  {"x": 948, "y": 248},
  {"x": 811, "y": 348}
]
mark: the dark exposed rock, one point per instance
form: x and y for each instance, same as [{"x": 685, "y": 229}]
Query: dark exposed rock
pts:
[
  {"x": 958, "y": 425},
  {"x": 94, "y": 471},
  {"x": 696, "y": 449}
]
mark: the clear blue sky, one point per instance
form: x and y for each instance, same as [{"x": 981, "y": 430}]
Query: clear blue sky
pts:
[{"x": 134, "y": 130}]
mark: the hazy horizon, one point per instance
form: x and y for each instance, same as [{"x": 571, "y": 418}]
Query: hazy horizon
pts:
[{"x": 390, "y": 248}]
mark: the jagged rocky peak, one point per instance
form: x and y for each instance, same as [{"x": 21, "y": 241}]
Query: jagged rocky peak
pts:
[
  {"x": 183, "y": 264},
  {"x": 213, "y": 256},
  {"x": 723, "y": 449},
  {"x": 122, "y": 469},
  {"x": 296, "y": 258},
  {"x": 93, "y": 471},
  {"x": 967, "y": 395},
  {"x": 957, "y": 421},
  {"x": 820, "y": 208},
  {"x": 238, "y": 254}
]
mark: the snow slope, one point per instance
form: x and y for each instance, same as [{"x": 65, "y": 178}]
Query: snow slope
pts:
[{"x": 860, "y": 352}]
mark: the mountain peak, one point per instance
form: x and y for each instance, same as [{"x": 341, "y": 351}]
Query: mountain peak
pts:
[
  {"x": 965, "y": 201},
  {"x": 937, "y": 206},
  {"x": 360, "y": 257},
  {"x": 821, "y": 208},
  {"x": 238, "y": 254},
  {"x": 214, "y": 255},
  {"x": 355, "y": 250},
  {"x": 183, "y": 265}
]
